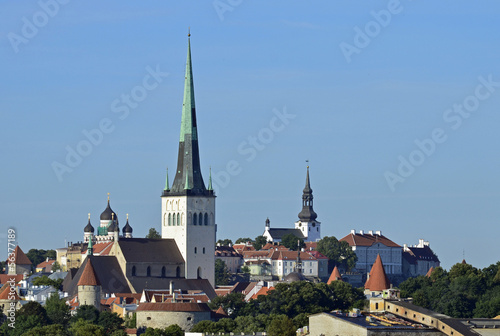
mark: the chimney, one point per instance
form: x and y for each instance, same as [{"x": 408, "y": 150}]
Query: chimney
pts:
[
  {"x": 405, "y": 247},
  {"x": 378, "y": 232},
  {"x": 353, "y": 231},
  {"x": 361, "y": 232},
  {"x": 171, "y": 288},
  {"x": 370, "y": 232},
  {"x": 420, "y": 243}
]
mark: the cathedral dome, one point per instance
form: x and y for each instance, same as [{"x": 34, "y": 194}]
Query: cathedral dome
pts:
[
  {"x": 295, "y": 276},
  {"x": 108, "y": 214},
  {"x": 127, "y": 228},
  {"x": 89, "y": 228}
]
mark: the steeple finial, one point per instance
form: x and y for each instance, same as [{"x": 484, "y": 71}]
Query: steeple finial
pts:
[
  {"x": 108, "y": 197},
  {"x": 189, "y": 31},
  {"x": 127, "y": 216},
  {"x": 210, "y": 180},
  {"x": 89, "y": 215},
  {"x": 307, "y": 214},
  {"x": 167, "y": 188}
]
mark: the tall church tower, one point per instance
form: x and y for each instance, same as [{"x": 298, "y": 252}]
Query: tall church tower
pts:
[
  {"x": 188, "y": 207},
  {"x": 307, "y": 223}
]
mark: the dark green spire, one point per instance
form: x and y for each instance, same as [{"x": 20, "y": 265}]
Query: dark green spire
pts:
[
  {"x": 210, "y": 180},
  {"x": 166, "y": 183},
  {"x": 307, "y": 214},
  {"x": 188, "y": 179}
]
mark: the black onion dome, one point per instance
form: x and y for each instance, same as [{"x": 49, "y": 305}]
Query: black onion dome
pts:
[
  {"x": 107, "y": 214},
  {"x": 89, "y": 228},
  {"x": 127, "y": 228}
]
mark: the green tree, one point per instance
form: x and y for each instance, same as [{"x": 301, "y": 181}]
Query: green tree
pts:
[
  {"x": 290, "y": 241},
  {"x": 46, "y": 281},
  {"x": 58, "y": 311},
  {"x": 259, "y": 242},
  {"x": 110, "y": 321},
  {"x": 154, "y": 332},
  {"x": 174, "y": 330},
  {"x": 203, "y": 326},
  {"x": 221, "y": 273},
  {"x": 33, "y": 308},
  {"x": 243, "y": 240},
  {"x": 281, "y": 325},
  {"x": 131, "y": 322},
  {"x": 48, "y": 330},
  {"x": 56, "y": 266},
  {"x": 153, "y": 234},
  {"x": 87, "y": 313},
  {"x": 85, "y": 328},
  {"x": 225, "y": 242},
  {"x": 245, "y": 269},
  {"x": 37, "y": 256},
  {"x": 339, "y": 253},
  {"x": 232, "y": 303}
]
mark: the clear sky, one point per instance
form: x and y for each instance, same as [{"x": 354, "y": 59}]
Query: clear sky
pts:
[{"x": 396, "y": 105}]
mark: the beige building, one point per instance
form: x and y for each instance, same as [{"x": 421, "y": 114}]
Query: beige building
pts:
[{"x": 161, "y": 315}]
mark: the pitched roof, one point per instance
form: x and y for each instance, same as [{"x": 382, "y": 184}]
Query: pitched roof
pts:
[
  {"x": 243, "y": 247},
  {"x": 150, "y": 250},
  {"x": 291, "y": 255},
  {"x": 377, "y": 281},
  {"x": 7, "y": 294},
  {"x": 45, "y": 263},
  {"x": 108, "y": 272},
  {"x": 6, "y": 277},
  {"x": 334, "y": 276},
  {"x": 88, "y": 277},
  {"x": 317, "y": 255},
  {"x": 262, "y": 291},
  {"x": 220, "y": 311},
  {"x": 279, "y": 233},
  {"x": 429, "y": 272},
  {"x": 424, "y": 253},
  {"x": 367, "y": 239},
  {"x": 100, "y": 248},
  {"x": 18, "y": 257},
  {"x": 226, "y": 251},
  {"x": 201, "y": 285},
  {"x": 174, "y": 307}
]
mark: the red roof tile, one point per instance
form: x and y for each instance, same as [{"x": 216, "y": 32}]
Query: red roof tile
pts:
[
  {"x": 377, "y": 281},
  {"x": 366, "y": 239},
  {"x": 88, "y": 277},
  {"x": 5, "y": 277},
  {"x": 334, "y": 276},
  {"x": 19, "y": 257},
  {"x": 262, "y": 291},
  {"x": 45, "y": 263},
  {"x": 429, "y": 272}
]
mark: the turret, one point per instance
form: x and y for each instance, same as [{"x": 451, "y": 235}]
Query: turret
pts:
[
  {"x": 89, "y": 287},
  {"x": 127, "y": 230}
]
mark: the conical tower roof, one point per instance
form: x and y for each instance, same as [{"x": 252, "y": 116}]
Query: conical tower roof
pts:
[
  {"x": 88, "y": 277},
  {"x": 307, "y": 214},
  {"x": 429, "y": 272},
  {"x": 6, "y": 294},
  {"x": 18, "y": 257},
  {"x": 334, "y": 276},
  {"x": 377, "y": 281}
]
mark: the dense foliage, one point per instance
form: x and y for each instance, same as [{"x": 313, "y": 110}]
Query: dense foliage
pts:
[
  {"x": 46, "y": 281},
  {"x": 463, "y": 292},
  {"x": 222, "y": 275},
  {"x": 339, "y": 253},
  {"x": 153, "y": 234},
  {"x": 37, "y": 256},
  {"x": 290, "y": 241},
  {"x": 285, "y": 306}
]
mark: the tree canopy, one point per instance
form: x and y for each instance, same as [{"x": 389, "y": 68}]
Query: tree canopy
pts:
[
  {"x": 259, "y": 242},
  {"x": 290, "y": 241},
  {"x": 222, "y": 275},
  {"x": 339, "y": 253},
  {"x": 153, "y": 234}
]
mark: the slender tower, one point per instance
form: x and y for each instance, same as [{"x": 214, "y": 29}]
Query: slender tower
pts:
[
  {"x": 307, "y": 223},
  {"x": 188, "y": 207}
]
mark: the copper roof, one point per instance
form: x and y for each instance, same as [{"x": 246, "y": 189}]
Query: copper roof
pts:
[
  {"x": 334, "y": 276},
  {"x": 88, "y": 277},
  {"x": 367, "y": 239},
  {"x": 19, "y": 257},
  {"x": 377, "y": 281}
]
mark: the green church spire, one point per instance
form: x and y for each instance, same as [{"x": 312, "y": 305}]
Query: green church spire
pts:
[
  {"x": 210, "y": 181},
  {"x": 188, "y": 123},
  {"x": 166, "y": 183}
]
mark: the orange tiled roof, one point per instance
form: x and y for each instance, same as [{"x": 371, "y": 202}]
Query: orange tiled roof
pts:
[
  {"x": 311, "y": 246},
  {"x": 334, "y": 276},
  {"x": 262, "y": 291},
  {"x": 7, "y": 294},
  {"x": 88, "y": 277},
  {"x": 317, "y": 255},
  {"x": 367, "y": 239},
  {"x": 45, "y": 263},
  {"x": 19, "y": 257},
  {"x": 5, "y": 277},
  {"x": 429, "y": 272},
  {"x": 377, "y": 280},
  {"x": 291, "y": 255}
]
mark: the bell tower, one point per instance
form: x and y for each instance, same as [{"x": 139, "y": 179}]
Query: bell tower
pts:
[
  {"x": 188, "y": 207},
  {"x": 307, "y": 223}
]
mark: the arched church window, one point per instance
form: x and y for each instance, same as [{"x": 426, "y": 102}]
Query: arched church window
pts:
[
  {"x": 169, "y": 219},
  {"x": 133, "y": 270},
  {"x": 163, "y": 272},
  {"x": 195, "y": 250},
  {"x": 178, "y": 219},
  {"x": 148, "y": 271},
  {"x": 200, "y": 219},
  {"x": 199, "y": 273},
  {"x": 203, "y": 250},
  {"x": 178, "y": 272},
  {"x": 195, "y": 219},
  {"x": 173, "y": 219},
  {"x": 206, "y": 219}
]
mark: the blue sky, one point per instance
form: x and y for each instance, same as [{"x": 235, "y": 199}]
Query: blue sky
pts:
[{"x": 362, "y": 84}]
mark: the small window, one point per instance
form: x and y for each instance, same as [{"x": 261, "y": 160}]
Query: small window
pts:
[
  {"x": 203, "y": 250},
  {"x": 133, "y": 270},
  {"x": 195, "y": 250},
  {"x": 189, "y": 318},
  {"x": 376, "y": 305},
  {"x": 149, "y": 318}
]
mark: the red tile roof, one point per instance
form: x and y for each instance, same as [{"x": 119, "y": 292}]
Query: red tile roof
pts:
[
  {"x": 311, "y": 246},
  {"x": 18, "y": 257},
  {"x": 317, "y": 255},
  {"x": 45, "y": 263},
  {"x": 366, "y": 239},
  {"x": 291, "y": 255},
  {"x": 377, "y": 281},
  {"x": 7, "y": 294},
  {"x": 429, "y": 272},
  {"x": 334, "y": 276},
  {"x": 5, "y": 277},
  {"x": 88, "y": 277},
  {"x": 243, "y": 247},
  {"x": 262, "y": 291}
]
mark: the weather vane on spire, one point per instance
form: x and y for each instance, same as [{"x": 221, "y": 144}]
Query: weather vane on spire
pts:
[
  {"x": 307, "y": 161},
  {"x": 189, "y": 31}
]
